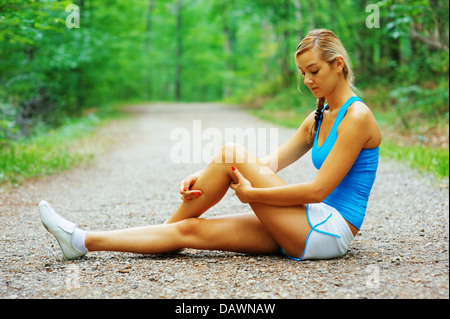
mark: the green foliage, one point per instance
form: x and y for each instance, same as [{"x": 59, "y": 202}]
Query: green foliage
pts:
[
  {"x": 429, "y": 103},
  {"x": 44, "y": 154},
  {"x": 198, "y": 50},
  {"x": 423, "y": 158},
  {"x": 8, "y": 127},
  {"x": 207, "y": 50},
  {"x": 49, "y": 151}
]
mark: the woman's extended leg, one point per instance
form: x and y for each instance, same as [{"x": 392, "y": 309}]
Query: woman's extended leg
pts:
[
  {"x": 262, "y": 232},
  {"x": 239, "y": 233}
]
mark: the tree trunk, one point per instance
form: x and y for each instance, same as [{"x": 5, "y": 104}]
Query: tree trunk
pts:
[
  {"x": 179, "y": 50},
  {"x": 285, "y": 34},
  {"x": 148, "y": 44},
  {"x": 229, "y": 30},
  {"x": 298, "y": 18}
]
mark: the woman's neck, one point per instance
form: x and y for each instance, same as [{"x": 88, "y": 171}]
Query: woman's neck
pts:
[{"x": 339, "y": 96}]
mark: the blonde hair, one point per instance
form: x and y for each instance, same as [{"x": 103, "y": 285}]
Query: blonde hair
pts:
[{"x": 329, "y": 47}]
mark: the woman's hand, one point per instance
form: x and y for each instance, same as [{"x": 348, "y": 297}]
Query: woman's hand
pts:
[
  {"x": 185, "y": 187},
  {"x": 242, "y": 188}
]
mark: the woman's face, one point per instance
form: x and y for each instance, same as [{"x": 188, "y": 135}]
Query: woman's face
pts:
[{"x": 319, "y": 76}]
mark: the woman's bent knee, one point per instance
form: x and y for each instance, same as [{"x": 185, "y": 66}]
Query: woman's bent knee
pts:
[{"x": 232, "y": 153}]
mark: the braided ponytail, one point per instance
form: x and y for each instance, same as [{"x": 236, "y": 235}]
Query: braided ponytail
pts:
[{"x": 319, "y": 107}]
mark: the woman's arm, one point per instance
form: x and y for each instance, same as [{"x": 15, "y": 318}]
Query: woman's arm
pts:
[
  {"x": 353, "y": 134},
  {"x": 294, "y": 148}
]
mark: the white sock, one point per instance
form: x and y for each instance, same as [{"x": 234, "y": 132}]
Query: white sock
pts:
[{"x": 78, "y": 239}]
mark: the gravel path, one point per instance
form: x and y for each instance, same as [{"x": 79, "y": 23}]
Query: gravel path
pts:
[{"x": 400, "y": 252}]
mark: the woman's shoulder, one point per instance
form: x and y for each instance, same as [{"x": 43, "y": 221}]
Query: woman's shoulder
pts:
[
  {"x": 360, "y": 117},
  {"x": 360, "y": 112}
]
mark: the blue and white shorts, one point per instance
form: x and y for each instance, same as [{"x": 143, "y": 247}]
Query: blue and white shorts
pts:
[{"x": 329, "y": 236}]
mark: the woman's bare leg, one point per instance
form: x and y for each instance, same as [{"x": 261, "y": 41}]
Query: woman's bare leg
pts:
[
  {"x": 287, "y": 225},
  {"x": 263, "y": 232},
  {"x": 239, "y": 233},
  {"x": 213, "y": 183},
  {"x": 216, "y": 178}
]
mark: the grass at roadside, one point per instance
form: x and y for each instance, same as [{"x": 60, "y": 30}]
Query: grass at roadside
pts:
[
  {"x": 422, "y": 158},
  {"x": 54, "y": 150}
]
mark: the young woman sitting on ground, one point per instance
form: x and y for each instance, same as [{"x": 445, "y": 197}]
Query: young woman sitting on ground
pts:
[{"x": 308, "y": 220}]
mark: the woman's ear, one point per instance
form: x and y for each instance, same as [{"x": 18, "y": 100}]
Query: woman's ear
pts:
[{"x": 339, "y": 63}]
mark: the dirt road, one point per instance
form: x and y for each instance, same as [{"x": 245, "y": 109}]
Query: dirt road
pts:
[{"x": 400, "y": 252}]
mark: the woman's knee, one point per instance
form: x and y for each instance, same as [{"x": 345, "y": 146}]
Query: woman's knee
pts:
[
  {"x": 232, "y": 153},
  {"x": 189, "y": 227},
  {"x": 192, "y": 233}
]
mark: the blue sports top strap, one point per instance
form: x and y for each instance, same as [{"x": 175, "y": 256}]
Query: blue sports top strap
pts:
[
  {"x": 345, "y": 106},
  {"x": 342, "y": 111},
  {"x": 337, "y": 121}
]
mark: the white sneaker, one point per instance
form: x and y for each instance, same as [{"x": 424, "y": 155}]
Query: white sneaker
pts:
[{"x": 60, "y": 228}]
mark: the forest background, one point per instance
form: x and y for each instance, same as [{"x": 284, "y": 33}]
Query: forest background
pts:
[{"x": 63, "y": 68}]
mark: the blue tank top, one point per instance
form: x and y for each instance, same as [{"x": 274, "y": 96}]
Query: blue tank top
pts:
[{"x": 351, "y": 196}]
